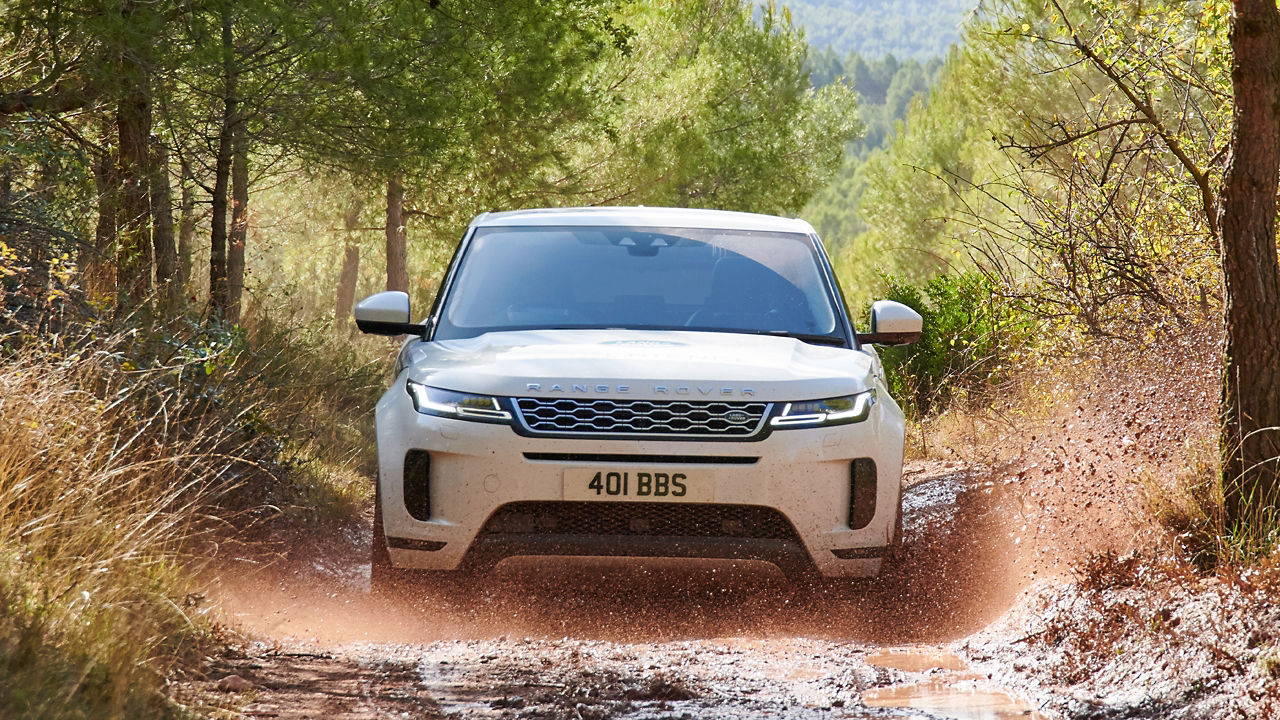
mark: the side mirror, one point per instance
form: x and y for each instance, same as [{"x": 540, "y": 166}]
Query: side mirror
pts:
[
  {"x": 387, "y": 313},
  {"x": 892, "y": 323}
]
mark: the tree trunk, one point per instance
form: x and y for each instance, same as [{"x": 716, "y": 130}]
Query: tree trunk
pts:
[
  {"x": 162, "y": 223},
  {"x": 218, "y": 298},
  {"x": 397, "y": 240},
  {"x": 1251, "y": 391},
  {"x": 186, "y": 226},
  {"x": 97, "y": 262},
  {"x": 133, "y": 252},
  {"x": 239, "y": 222},
  {"x": 350, "y": 272}
]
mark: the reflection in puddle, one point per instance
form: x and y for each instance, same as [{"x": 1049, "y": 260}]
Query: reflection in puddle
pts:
[
  {"x": 953, "y": 693},
  {"x": 960, "y": 700},
  {"x": 908, "y": 660}
]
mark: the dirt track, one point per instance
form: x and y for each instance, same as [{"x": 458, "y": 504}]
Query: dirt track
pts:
[
  {"x": 659, "y": 639},
  {"x": 670, "y": 639}
]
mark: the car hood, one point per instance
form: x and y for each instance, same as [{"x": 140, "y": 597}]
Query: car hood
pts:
[{"x": 649, "y": 365}]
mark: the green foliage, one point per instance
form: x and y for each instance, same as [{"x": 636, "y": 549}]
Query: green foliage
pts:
[
  {"x": 972, "y": 342},
  {"x": 1105, "y": 217},
  {"x": 919, "y": 29},
  {"x": 714, "y": 110},
  {"x": 705, "y": 108},
  {"x": 1030, "y": 164},
  {"x": 887, "y": 90}
]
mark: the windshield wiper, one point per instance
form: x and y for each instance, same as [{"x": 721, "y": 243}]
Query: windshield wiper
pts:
[
  {"x": 812, "y": 338},
  {"x": 835, "y": 340}
]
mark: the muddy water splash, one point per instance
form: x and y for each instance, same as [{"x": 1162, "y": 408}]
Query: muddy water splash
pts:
[
  {"x": 737, "y": 637},
  {"x": 952, "y": 582}
]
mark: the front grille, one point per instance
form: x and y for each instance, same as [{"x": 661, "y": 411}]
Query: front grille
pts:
[
  {"x": 646, "y": 418},
  {"x": 639, "y": 519}
]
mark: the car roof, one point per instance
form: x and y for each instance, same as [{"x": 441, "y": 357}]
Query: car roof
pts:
[{"x": 643, "y": 217}]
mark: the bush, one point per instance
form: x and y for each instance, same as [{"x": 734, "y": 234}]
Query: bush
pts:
[{"x": 972, "y": 339}]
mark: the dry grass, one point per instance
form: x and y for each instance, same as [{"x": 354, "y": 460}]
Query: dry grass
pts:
[
  {"x": 1187, "y": 503},
  {"x": 125, "y": 461},
  {"x": 99, "y": 491},
  {"x": 990, "y": 430}
]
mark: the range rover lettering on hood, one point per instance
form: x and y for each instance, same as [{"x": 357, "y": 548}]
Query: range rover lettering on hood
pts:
[{"x": 599, "y": 389}]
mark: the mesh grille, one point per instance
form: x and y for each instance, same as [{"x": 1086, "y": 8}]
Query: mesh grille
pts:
[
  {"x": 639, "y": 519},
  {"x": 561, "y": 416}
]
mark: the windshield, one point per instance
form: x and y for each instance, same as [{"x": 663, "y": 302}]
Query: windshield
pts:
[{"x": 519, "y": 278}]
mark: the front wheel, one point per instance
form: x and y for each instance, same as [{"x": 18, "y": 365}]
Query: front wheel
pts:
[{"x": 896, "y": 545}]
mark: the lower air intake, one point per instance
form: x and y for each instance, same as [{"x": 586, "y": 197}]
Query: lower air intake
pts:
[{"x": 639, "y": 519}]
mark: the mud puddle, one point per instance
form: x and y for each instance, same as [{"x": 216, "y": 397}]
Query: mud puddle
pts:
[
  {"x": 951, "y": 690},
  {"x": 717, "y": 679}
]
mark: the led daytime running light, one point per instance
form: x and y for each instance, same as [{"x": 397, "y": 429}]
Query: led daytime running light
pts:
[
  {"x": 449, "y": 403},
  {"x": 861, "y": 408}
]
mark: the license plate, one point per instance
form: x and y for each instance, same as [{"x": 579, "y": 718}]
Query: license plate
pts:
[{"x": 651, "y": 485}]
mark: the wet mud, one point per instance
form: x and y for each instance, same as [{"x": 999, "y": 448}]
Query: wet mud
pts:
[
  {"x": 982, "y": 617},
  {"x": 951, "y": 581},
  {"x": 657, "y": 638}
]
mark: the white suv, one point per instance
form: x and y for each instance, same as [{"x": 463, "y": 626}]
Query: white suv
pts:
[{"x": 644, "y": 382}]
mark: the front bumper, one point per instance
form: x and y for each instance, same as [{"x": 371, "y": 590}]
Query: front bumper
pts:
[{"x": 477, "y": 468}]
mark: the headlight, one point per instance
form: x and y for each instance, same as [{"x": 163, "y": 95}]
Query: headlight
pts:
[
  {"x": 448, "y": 403},
  {"x": 832, "y": 411}
]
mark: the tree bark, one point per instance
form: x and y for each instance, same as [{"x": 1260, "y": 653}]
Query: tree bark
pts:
[
  {"x": 239, "y": 222},
  {"x": 133, "y": 251},
  {"x": 218, "y": 298},
  {"x": 350, "y": 273},
  {"x": 97, "y": 262},
  {"x": 397, "y": 238},
  {"x": 162, "y": 223},
  {"x": 1251, "y": 391},
  {"x": 186, "y": 226}
]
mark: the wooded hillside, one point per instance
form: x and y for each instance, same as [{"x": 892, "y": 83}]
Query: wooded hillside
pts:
[{"x": 918, "y": 29}]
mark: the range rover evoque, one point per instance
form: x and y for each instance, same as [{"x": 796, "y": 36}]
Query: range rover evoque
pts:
[{"x": 643, "y": 382}]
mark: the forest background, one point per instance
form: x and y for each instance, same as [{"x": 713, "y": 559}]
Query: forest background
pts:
[{"x": 193, "y": 194}]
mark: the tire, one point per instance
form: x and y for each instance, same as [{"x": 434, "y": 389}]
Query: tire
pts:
[
  {"x": 383, "y": 578},
  {"x": 896, "y": 548}
]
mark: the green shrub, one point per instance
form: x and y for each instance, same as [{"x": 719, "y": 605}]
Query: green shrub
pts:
[{"x": 972, "y": 338}]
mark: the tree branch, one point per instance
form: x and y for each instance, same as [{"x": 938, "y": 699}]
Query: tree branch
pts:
[{"x": 1208, "y": 197}]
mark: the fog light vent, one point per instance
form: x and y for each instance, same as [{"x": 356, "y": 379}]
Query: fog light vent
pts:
[
  {"x": 862, "y": 493},
  {"x": 417, "y": 484}
]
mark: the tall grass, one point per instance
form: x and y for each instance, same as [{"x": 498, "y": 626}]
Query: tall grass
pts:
[
  {"x": 1188, "y": 504},
  {"x": 126, "y": 458},
  {"x": 101, "y": 488}
]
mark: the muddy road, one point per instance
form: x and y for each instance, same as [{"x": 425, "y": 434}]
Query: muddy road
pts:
[
  {"x": 990, "y": 591},
  {"x": 656, "y": 639}
]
